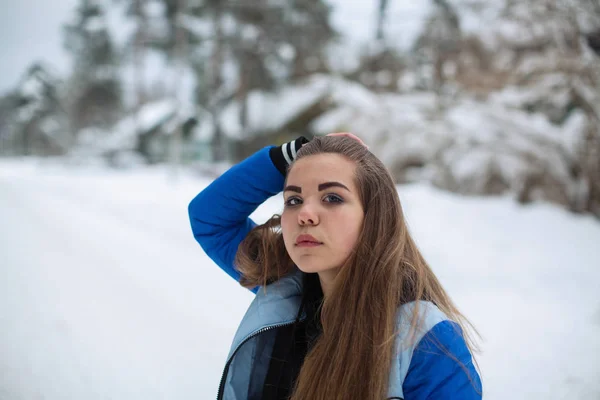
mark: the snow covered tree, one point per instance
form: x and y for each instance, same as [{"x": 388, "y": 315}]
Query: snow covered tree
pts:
[
  {"x": 440, "y": 41},
  {"x": 32, "y": 118},
  {"x": 240, "y": 46},
  {"x": 266, "y": 45},
  {"x": 94, "y": 88},
  {"x": 554, "y": 62},
  {"x": 537, "y": 57}
]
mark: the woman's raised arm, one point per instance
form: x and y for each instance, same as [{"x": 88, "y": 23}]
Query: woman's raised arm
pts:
[{"x": 219, "y": 214}]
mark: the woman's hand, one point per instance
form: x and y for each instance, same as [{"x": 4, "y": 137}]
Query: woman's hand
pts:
[{"x": 350, "y": 135}]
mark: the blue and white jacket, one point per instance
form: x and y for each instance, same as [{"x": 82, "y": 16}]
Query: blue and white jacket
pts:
[{"x": 424, "y": 367}]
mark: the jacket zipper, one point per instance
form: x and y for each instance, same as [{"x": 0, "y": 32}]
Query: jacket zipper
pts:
[
  {"x": 258, "y": 332},
  {"x": 226, "y": 369}
]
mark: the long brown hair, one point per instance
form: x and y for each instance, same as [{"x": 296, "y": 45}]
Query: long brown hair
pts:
[{"x": 353, "y": 356}]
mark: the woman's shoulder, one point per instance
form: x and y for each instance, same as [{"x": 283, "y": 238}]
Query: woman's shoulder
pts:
[
  {"x": 422, "y": 325},
  {"x": 419, "y": 315},
  {"x": 429, "y": 347},
  {"x": 414, "y": 320}
]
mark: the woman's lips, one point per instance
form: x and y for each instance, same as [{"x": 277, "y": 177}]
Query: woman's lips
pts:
[
  {"x": 308, "y": 244},
  {"x": 307, "y": 241}
]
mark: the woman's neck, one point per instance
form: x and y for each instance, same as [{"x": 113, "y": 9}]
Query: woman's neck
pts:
[{"x": 327, "y": 279}]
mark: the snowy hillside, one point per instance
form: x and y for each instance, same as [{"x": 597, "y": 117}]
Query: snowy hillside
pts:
[{"x": 104, "y": 294}]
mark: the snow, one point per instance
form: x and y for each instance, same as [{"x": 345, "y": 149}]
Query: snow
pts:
[
  {"x": 105, "y": 294},
  {"x": 96, "y": 24},
  {"x": 574, "y": 129},
  {"x": 268, "y": 111},
  {"x": 477, "y": 16},
  {"x": 200, "y": 27},
  {"x": 357, "y": 21},
  {"x": 32, "y": 87},
  {"x": 153, "y": 113},
  {"x": 123, "y": 136},
  {"x": 120, "y": 28}
]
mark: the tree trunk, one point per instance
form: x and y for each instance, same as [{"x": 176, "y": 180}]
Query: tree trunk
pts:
[
  {"x": 179, "y": 55},
  {"x": 138, "y": 70},
  {"x": 381, "y": 14},
  {"x": 218, "y": 141}
]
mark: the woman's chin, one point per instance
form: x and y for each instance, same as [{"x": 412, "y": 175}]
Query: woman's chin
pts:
[{"x": 310, "y": 268}]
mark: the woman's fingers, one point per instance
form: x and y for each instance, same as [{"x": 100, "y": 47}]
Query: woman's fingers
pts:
[{"x": 350, "y": 135}]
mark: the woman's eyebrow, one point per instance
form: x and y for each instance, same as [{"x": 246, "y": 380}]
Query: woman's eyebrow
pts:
[
  {"x": 327, "y": 185},
  {"x": 293, "y": 188}
]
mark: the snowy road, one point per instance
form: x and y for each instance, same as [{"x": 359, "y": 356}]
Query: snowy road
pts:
[
  {"x": 102, "y": 301},
  {"x": 105, "y": 295}
]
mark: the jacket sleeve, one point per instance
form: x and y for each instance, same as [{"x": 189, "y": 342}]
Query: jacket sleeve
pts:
[
  {"x": 219, "y": 215},
  {"x": 442, "y": 367}
]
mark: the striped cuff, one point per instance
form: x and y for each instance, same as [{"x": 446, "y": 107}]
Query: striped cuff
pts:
[{"x": 282, "y": 156}]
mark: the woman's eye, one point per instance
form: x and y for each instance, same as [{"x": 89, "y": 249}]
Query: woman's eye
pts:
[
  {"x": 333, "y": 198},
  {"x": 292, "y": 201}
]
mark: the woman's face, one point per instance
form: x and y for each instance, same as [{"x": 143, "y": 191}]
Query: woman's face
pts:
[{"x": 322, "y": 214}]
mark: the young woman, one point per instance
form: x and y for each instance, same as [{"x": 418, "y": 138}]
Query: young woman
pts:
[{"x": 346, "y": 306}]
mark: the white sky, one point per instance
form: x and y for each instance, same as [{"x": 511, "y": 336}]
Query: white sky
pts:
[{"x": 29, "y": 31}]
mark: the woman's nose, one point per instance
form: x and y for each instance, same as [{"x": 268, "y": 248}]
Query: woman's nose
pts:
[{"x": 307, "y": 216}]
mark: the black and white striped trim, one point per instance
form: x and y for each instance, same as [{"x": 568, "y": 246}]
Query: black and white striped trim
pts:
[
  {"x": 289, "y": 151},
  {"x": 285, "y": 154}
]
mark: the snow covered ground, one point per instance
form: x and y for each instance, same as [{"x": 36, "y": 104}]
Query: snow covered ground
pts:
[{"x": 104, "y": 294}]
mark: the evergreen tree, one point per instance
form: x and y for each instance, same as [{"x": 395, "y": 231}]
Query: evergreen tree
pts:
[
  {"x": 94, "y": 88},
  {"x": 32, "y": 119},
  {"x": 440, "y": 41}
]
